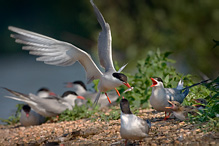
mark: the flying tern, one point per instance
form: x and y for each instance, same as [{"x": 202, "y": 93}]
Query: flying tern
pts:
[
  {"x": 160, "y": 95},
  {"x": 48, "y": 106},
  {"x": 60, "y": 53},
  {"x": 132, "y": 127}
]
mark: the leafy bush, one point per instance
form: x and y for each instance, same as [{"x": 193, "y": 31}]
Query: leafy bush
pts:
[
  {"x": 156, "y": 64},
  {"x": 209, "y": 115}
]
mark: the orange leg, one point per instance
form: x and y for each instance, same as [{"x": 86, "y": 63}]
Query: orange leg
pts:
[
  {"x": 166, "y": 117},
  {"x": 117, "y": 92},
  {"x": 107, "y": 97},
  {"x": 126, "y": 142}
]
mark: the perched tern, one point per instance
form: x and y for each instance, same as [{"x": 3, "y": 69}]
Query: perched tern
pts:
[
  {"x": 160, "y": 95},
  {"x": 72, "y": 98},
  {"x": 44, "y": 92},
  {"x": 30, "y": 117},
  {"x": 132, "y": 127},
  {"x": 80, "y": 88},
  {"x": 181, "y": 112},
  {"x": 48, "y": 106},
  {"x": 61, "y": 53}
]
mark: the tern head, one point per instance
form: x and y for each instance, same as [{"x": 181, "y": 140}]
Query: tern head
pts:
[
  {"x": 201, "y": 103},
  {"x": 156, "y": 82},
  {"x": 124, "y": 106},
  {"x": 45, "y": 92},
  {"x": 76, "y": 84},
  {"x": 175, "y": 105},
  {"x": 121, "y": 78},
  {"x": 26, "y": 109},
  {"x": 71, "y": 94}
]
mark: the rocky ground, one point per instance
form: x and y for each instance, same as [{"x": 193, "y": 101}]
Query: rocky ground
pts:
[{"x": 86, "y": 132}]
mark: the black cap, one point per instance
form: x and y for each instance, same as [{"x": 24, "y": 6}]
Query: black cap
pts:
[
  {"x": 66, "y": 93},
  {"x": 124, "y": 106}
]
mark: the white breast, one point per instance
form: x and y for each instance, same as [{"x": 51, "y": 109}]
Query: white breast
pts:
[{"x": 131, "y": 127}]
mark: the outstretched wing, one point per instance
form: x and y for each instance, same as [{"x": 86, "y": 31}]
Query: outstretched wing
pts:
[
  {"x": 55, "y": 52},
  {"x": 104, "y": 42}
]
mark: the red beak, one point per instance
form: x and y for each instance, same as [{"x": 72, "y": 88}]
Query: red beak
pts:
[
  {"x": 52, "y": 94},
  {"x": 80, "y": 97},
  {"x": 196, "y": 101},
  {"x": 69, "y": 85},
  {"x": 27, "y": 114},
  {"x": 127, "y": 84},
  {"x": 154, "y": 82}
]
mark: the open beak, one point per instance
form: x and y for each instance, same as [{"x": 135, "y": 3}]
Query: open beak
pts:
[
  {"x": 127, "y": 84},
  {"x": 154, "y": 82},
  {"x": 68, "y": 85},
  {"x": 80, "y": 97},
  {"x": 171, "y": 104},
  {"x": 197, "y": 102},
  {"x": 52, "y": 94}
]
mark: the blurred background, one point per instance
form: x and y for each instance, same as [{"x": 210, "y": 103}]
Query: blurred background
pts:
[{"x": 185, "y": 28}]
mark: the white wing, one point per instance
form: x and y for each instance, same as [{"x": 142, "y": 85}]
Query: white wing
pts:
[
  {"x": 55, "y": 52},
  {"x": 104, "y": 42}
]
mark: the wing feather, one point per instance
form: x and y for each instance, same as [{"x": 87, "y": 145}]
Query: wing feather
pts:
[
  {"x": 55, "y": 52},
  {"x": 104, "y": 42}
]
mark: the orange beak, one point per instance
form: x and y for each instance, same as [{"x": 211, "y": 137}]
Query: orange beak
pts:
[
  {"x": 127, "y": 85},
  {"x": 154, "y": 82},
  {"x": 80, "y": 97},
  {"x": 170, "y": 103},
  {"x": 52, "y": 94}
]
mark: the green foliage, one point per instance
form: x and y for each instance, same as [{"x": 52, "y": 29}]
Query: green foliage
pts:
[
  {"x": 14, "y": 118},
  {"x": 79, "y": 112},
  {"x": 209, "y": 115},
  {"x": 156, "y": 64},
  {"x": 90, "y": 112}
]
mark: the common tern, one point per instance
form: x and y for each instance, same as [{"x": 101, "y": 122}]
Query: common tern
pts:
[
  {"x": 44, "y": 92},
  {"x": 160, "y": 95},
  {"x": 72, "y": 98},
  {"x": 60, "y": 53},
  {"x": 132, "y": 127},
  {"x": 30, "y": 117},
  {"x": 181, "y": 112},
  {"x": 80, "y": 88},
  {"x": 48, "y": 107},
  {"x": 201, "y": 103}
]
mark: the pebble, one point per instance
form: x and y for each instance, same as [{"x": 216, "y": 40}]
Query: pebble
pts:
[{"x": 100, "y": 132}]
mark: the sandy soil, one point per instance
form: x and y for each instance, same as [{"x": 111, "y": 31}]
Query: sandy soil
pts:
[{"x": 86, "y": 132}]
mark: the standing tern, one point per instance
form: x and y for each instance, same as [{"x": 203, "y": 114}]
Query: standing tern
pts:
[
  {"x": 30, "y": 117},
  {"x": 132, "y": 127},
  {"x": 160, "y": 95},
  {"x": 60, "y": 53},
  {"x": 48, "y": 106},
  {"x": 80, "y": 88}
]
